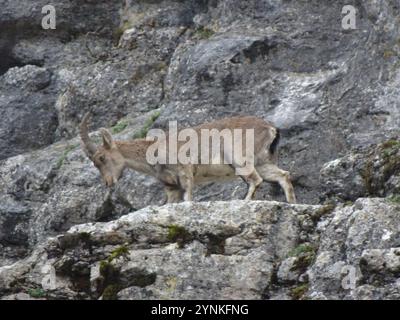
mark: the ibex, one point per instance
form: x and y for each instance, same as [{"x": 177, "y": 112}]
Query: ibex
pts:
[{"x": 178, "y": 179}]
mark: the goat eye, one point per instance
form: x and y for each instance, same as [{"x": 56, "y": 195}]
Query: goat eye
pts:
[{"x": 102, "y": 158}]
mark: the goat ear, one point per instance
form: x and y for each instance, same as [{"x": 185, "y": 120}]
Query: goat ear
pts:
[{"x": 108, "y": 140}]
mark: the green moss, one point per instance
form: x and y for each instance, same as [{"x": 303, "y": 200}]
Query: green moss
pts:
[
  {"x": 348, "y": 203},
  {"x": 367, "y": 175},
  {"x": 64, "y": 156},
  {"x": 179, "y": 235},
  {"x": 147, "y": 125},
  {"x": 119, "y": 127},
  {"x": 323, "y": 211},
  {"x": 118, "y": 252},
  {"x": 203, "y": 33},
  {"x": 107, "y": 269},
  {"x": 111, "y": 292},
  {"x": 391, "y": 144},
  {"x": 387, "y": 54},
  {"x": 37, "y": 293},
  {"x": 297, "y": 293},
  {"x": 301, "y": 249},
  {"x": 104, "y": 267},
  {"x": 395, "y": 199},
  {"x": 174, "y": 231},
  {"x": 388, "y": 154},
  {"x": 389, "y": 148},
  {"x": 160, "y": 66},
  {"x": 110, "y": 284},
  {"x": 392, "y": 164},
  {"x": 303, "y": 261},
  {"x": 391, "y": 167},
  {"x": 391, "y": 158},
  {"x": 305, "y": 255}
]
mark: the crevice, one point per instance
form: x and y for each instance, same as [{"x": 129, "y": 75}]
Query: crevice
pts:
[{"x": 10, "y": 33}]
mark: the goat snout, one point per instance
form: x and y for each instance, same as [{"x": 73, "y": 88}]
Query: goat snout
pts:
[{"x": 109, "y": 181}]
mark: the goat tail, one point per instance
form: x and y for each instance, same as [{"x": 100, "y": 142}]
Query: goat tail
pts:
[{"x": 274, "y": 145}]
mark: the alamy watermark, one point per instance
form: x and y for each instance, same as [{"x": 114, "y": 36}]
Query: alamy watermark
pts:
[
  {"x": 349, "y": 281},
  {"x": 190, "y": 146},
  {"x": 49, "y": 20},
  {"x": 349, "y": 20}
]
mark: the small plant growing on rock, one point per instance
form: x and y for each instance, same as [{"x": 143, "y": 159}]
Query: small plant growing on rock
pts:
[
  {"x": 348, "y": 203},
  {"x": 305, "y": 255},
  {"x": 395, "y": 199},
  {"x": 390, "y": 156},
  {"x": 111, "y": 292},
  {"x": 64, "y": 156},
  {"x": 147, "y": 125},
  {"x": 203, "y": 33},
  {"x": 387, "y": 54},
  {"x": 382, "y": 163},
  {"x": 323, "y": 211},
  {"x": 391, "y": 144},
  {"x": 302, "y": 248},
  {"x": 37, "y": 293},
  {"x": 121, "y": 251},
  {"x": 119, "y": 127},
  {"x": 110, "y": 276},
  {"x": 297, "y": 293},
  {"x": 179, "y": 235}
]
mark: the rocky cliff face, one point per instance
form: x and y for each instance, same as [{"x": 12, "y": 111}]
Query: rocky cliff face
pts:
[
  {"x": 220, "y": 250},
  {"x": 138, "y": 64}
]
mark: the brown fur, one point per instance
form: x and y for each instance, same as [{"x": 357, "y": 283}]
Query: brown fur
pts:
[{"x": 114, "y": 156}]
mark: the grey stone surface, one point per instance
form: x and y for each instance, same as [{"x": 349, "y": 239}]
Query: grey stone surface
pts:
[
  {"x": 370, "y": 171},
  {"x": 357, "y": 255},
  {"x": 27, "y": 116},
  {"x": 219, "y": 250}
]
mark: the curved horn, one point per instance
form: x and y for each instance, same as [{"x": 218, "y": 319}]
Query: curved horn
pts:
[{"x": 89, "y": 147}]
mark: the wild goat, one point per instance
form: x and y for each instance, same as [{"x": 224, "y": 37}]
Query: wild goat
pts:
[{"x": 114, "y": 156}]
